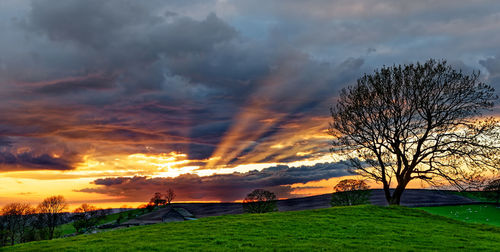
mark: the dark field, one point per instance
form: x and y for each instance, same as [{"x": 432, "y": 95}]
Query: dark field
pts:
[{"x": 411, "y": 198}]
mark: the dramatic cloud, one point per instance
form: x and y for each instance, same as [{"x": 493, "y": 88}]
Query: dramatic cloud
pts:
[
  {"x": 130, "y": 73},
  {"x": 222, "y": 187}
]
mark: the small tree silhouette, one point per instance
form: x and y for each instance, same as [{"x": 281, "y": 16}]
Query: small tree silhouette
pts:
[
  {"x": 170, "y": 195},
  {"x": 157, "y": 199},
  {"x": 260, "y": 201},
  {"x": 350, "y": 192}
]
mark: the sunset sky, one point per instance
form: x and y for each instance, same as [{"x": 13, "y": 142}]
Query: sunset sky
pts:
[{"x": 107, "y": 102}]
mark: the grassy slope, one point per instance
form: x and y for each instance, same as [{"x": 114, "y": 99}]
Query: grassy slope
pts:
[
  {"x": 486, "y": 214},
  {"x": 354, "y": 228}
]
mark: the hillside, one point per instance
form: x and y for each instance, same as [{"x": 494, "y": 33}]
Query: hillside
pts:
[
  {"x": 354, "y": 228},
  {"x": 411, "y": 198}
]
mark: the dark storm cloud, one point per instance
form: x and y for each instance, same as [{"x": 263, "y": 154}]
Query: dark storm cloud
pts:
[
  {"x": 92, "y": 23},
  {"x": 223, "y": 187},
  {"x": 136, "y": 54},
  {"x": 132, "y": 40},
  {"x": 31, "y": 161},
  {"x": 22, "y": 153},
  {"x": 126, "y": 31}
]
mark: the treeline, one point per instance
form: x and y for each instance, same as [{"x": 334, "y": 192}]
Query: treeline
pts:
[{"x": 20, "y": 222}]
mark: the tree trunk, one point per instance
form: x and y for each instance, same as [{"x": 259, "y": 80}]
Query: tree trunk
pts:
[
  {"x": 387, "y": 192},
  {"x": 51, "y": 233},
  {"x": 396, "y": 196}
]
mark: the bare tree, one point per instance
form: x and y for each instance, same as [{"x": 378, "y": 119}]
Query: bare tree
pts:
[
  {"x": 170, "y": 195},
  {"x": 27, "y": 219},
  {"x": 260, "y": 201},
  {"x": 52, "y": 209},
  {"x": 16, "y": 217},
  {"x": 416, "y": 121}
]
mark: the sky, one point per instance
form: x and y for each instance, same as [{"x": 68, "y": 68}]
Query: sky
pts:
[{"x": 107, "y": 102}]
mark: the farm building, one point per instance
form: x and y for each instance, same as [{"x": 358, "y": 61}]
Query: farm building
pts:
[
  {"x": 168, "y": 214},
  {"x": 177, "y": 214}
]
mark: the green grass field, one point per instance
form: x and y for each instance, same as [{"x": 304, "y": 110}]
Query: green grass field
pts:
[
  {"x": 486, "y": 214},
  {"x": 339, "y": 228}
]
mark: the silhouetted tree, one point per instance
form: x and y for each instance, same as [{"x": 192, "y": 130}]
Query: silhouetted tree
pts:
[
  {"x": 170, "y": 195},
  {"x": 415, "y": 121},
  {"x": 157, "y": 199},
  {"x": 260, "y": 201},
  {"x": 17, "y": 217},
  {"x": 51, "y": 210},
  {"x": 350, "y": 192},
  {"x": 86, "y": 217},
  {"x": 493, "y": 190}
]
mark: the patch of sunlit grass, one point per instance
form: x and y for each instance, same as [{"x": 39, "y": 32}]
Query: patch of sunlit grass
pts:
[{"x": 485, "y": 213}]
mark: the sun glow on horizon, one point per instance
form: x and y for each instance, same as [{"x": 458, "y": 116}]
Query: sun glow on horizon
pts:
[{"x": 40, "y": 184}]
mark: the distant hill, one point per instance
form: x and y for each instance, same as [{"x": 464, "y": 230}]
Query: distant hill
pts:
[{"x": 411, "y": 197}]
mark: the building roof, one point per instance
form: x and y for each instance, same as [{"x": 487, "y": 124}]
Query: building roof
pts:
[
  {"x": 161, "y": 214},
  {"x": 185, "y": 213}
]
